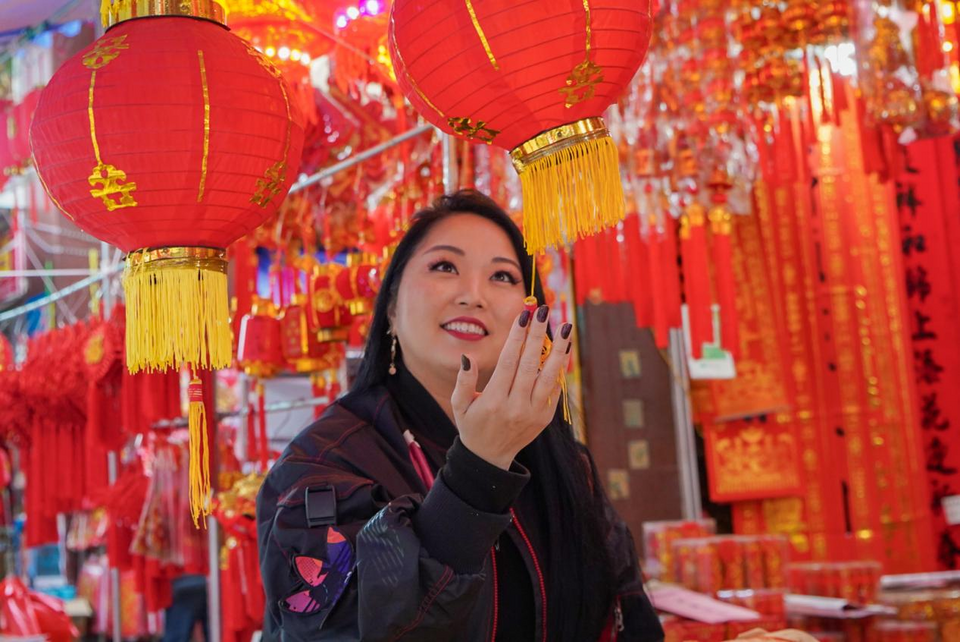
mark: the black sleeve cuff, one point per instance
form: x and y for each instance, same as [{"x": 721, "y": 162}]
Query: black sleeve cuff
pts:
[
  {"x": 488, "y": 488},
  {"x": 454, "y": 533}
]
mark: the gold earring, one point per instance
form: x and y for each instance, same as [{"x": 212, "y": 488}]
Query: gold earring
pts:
[{"x": 393, "y": 355}]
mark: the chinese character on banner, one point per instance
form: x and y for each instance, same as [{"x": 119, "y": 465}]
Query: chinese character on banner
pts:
[{"x": 926, "y": 195}]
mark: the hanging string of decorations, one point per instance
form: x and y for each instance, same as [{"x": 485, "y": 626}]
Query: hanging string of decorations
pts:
[{"x": 170, "y": 138}]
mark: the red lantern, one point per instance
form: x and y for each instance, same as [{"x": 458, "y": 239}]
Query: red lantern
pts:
[
  {"x": 533, "y": 78},
  {"x": 331, "y": 314},
  {"x": 301, "y": 347},
  {"x": 170, "y": 138},
  {"x": 287, "y": 38},
  {"x": 359, "y": 283},
  {"x": 260, "y": 349}
]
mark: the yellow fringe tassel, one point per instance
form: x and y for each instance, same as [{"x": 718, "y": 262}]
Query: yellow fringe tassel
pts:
[
  {"x": 571, "y": 193},
  {"x": 177, "y": 314},
  {"x": 199, "y": 479}
]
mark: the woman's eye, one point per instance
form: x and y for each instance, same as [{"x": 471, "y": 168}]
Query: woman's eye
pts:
[
  {"x": 443, "y": 266},
  {"x": 506, "y": 277}
]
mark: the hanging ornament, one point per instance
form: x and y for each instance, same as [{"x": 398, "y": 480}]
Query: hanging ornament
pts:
[
  {"x": 534, "y": 79},
  {"x": 169, "y": 138},
  {"x": 301, "y": 348},
  {"x": 259, "y": 350},
  {"x": 359, "y": 283},
  {"x": 721, "y": 225},
  {"x": 330, "y": 314}
]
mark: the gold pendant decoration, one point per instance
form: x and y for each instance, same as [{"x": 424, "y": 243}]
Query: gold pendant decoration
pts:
[
  {"x": 269, "y": 185},
  {"x": 104, "y": 52},
  {"x": 108, "y": 182},
  {"x": 582, "y": 82},
  {"x": 479, "y": 132}
]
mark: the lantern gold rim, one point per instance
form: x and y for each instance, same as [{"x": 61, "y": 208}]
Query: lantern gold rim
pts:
[
  {"x": 557, "y": 139},
  {"x": 114, "y": 12},
  {"x": 204, "y": 258}
]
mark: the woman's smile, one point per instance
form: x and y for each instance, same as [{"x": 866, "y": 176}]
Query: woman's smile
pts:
[{"x": 466, "y": 328}]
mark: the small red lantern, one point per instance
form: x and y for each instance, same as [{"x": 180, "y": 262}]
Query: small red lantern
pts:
[
  {"x": 170, "y": 138},
  {"x": 359, "y": 283},
  {"x": 533, "y": 78},
  {"x": 260, "y": 349},
  {"x": 301, "y": 347},
  {"x": 331, "y": 314}
]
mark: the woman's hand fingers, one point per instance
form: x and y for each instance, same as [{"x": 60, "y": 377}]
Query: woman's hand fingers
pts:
[
  {"x": 546, "y": 389},
  {"x": 465, "y": 391},
  {"x": 529, "y": 366},
  {"x": 502, "y": 378}
]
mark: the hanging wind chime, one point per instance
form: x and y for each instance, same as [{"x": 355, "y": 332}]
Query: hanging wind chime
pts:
[{"x": 170, "y": 138}]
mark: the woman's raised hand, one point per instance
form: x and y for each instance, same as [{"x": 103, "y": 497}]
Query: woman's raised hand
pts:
[{"x": 520, "y": 399}]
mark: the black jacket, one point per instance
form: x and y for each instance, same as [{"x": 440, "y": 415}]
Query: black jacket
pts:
[{"x": 363, "y": 573}]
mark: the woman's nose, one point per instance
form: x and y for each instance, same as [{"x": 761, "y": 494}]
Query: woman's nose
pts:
[{"x": 472, "y": 294}]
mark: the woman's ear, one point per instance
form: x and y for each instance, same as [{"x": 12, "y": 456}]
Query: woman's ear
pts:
[{"x": 392, "y": 318}]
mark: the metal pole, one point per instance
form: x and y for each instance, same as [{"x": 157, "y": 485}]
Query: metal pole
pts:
[
  {"x": 112, "y": 472},
  {"x": 106, "y": 292},
  {"x": 244, "y": 409},
  {"x": 451, "y": 175},
  {"x": 47, "y": 300},
  {"x": 359, "y": 158},
  {"x": 213, "y": 580},
  {"x": 213, "y": 531},
  {"x": 42, "y": 273},
  {"x": 683, "y": 426}
]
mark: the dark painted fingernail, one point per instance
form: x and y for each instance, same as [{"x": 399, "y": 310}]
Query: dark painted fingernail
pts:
[
  {"x": 569, "y": 347},
  {"x": 565, "y": 330},
  {"x": 524, "y": 318},
  {"x": 542, "y": 313},
  {"x": 464, "y": 363}
]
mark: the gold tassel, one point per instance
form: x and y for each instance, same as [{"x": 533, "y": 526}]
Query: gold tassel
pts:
[
  {"x": 199, "y": 479},
  {"x": 530, "y": 303},
  {"x": 571, "y": 184},
  {"x": 178, "y": 312}
]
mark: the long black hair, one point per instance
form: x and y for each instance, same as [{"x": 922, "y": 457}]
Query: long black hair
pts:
[{"x": 568, "y": 493}]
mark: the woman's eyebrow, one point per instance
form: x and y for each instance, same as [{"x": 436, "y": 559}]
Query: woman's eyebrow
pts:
[
  {"x": 446, "y": 248},
  {"x": 502, "y": 259}
]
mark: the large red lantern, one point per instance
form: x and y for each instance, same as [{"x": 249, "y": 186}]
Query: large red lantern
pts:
[
  {"x": 170, "y": 138},
  {"x": 533, "y": 78}
]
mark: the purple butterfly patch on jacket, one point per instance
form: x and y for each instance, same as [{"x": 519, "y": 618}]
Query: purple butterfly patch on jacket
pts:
[{"x": 321, "y": 580}]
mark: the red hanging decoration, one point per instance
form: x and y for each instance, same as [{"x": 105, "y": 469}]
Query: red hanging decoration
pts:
[
  {"x": 260, "y": 347},
  {"x": 721, "y": 226},
  {"x": 696, "y": 275},
  {"x": 532, "y": 78},
  {"x": 139, "y": 140},
  {"x": 658, "y": 287}
]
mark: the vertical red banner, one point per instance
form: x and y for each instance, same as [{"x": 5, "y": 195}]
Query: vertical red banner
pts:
[{"x": 927, "y": 197}]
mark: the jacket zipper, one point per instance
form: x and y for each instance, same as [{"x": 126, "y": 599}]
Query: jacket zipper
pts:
[
  {"x": 617, "y": 619},
  {"x": 496, "y": 593},
  {"x": 536, "y": 566}
]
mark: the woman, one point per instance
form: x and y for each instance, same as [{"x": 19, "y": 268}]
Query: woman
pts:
[{"x": 445, "y": 498}]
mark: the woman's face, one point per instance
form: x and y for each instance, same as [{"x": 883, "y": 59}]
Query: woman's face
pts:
[{"x": 459, "y": 294}]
